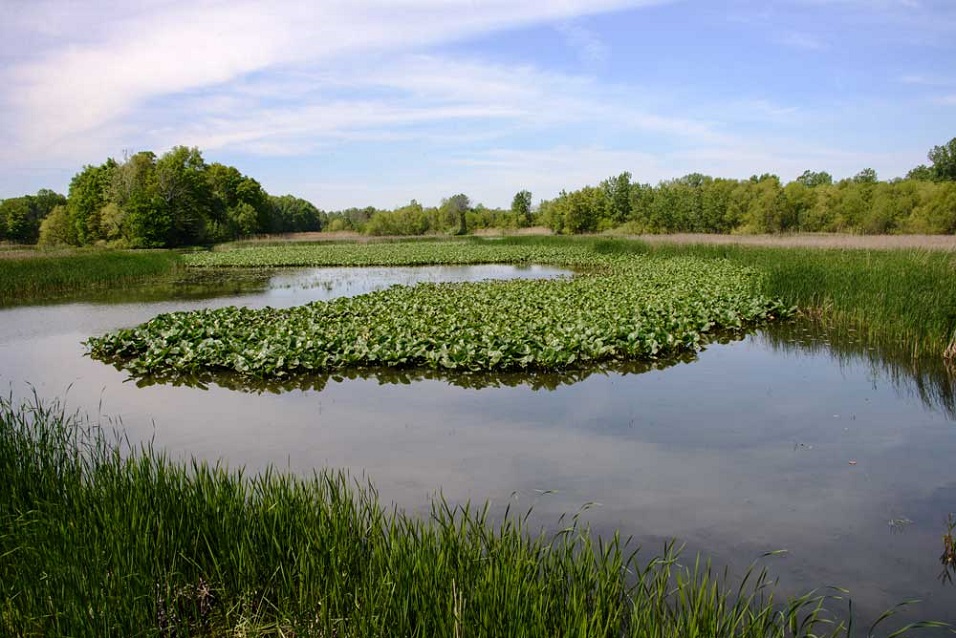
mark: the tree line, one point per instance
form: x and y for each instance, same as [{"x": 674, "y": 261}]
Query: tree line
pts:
[
  {"x": 922, "y": 202},
  {"x": 762, "y": 204},
  {"x": 146, "y": 201},
  {"x": 455, "y": 215},
  {"x": 178, "y": 199}
]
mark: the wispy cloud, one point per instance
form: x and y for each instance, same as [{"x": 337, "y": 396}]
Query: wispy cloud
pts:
[
  {"x": 376, "y": 101},
  {"x": 589, "y": 47},
  {"x": 495, "y": 175},
  {"x": 498, "y": 173},
  {"x": 803, "y": 41},
  {"x": 73, "y": 87},
  {"x": 420, "y": 97},
  {"x": 919, "y": 79}
]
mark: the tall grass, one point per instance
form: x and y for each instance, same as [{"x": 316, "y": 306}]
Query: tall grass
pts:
[
  {"x": 901, "y": 300},
  {"x": 97, "y": 539},
  {"x": 36, "y": 276}
]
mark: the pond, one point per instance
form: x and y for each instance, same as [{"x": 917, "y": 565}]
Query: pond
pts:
[{"x": 786, "y": 438}]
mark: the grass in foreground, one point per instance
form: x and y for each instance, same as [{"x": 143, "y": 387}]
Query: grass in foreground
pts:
[
  {"x": 36, "y": 276},
  {"x": 100, "y": 540}
]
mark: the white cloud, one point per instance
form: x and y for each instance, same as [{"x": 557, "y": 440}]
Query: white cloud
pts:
[
  {"x": 109, "y": 59},
  {"x": 920, "y": 79},
  {"x": 493, "y": 176},
  {"x": 75, "y": 90},
  {"x": 589, "y": 47},
  {"x": 490, "y": 177},
  {"x": 428, "y": 99},
  {"x": 340, "y": 85},
  {"x": 803, "y": 41}
]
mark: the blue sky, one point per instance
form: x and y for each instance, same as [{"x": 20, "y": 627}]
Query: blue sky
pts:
[{"x": 381, "y": 101}]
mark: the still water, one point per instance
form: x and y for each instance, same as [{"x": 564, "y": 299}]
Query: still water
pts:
[{"x": 783, "y": 439}]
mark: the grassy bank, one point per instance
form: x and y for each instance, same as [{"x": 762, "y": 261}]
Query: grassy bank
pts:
[
  {"x": 902, "y": 300},
  {"x": 99, "y": 540},
  {"x": 36, "y": 276}
]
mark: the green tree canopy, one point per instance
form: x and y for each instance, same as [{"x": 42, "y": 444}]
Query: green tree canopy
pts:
[
  {"x": 171, "y": 200},
  {"x": 812, "y": 179},
  {"x": 921, "y": 172},
  {"x": 521, "y": 208},
  {"x": 290, "y": 214},
  {"x": 944, "y": 161},
  {"x": 21, "y": 217},
  {"x": 456, "y": 209}
]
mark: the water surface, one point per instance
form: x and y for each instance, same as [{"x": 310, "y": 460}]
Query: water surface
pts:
[{"x": 783, "y": 439}]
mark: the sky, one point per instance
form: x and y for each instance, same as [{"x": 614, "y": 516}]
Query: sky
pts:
[{"x": 378, "y": 102}]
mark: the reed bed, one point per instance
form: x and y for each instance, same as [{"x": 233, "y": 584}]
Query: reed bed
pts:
[
  {"x": 33, "y": 276},
  {"x": 901, "y": 301},
  {"x": 97, "y": 539},
  {"x": 810, "y": 240},
  {"x": 420, "y": 252}
]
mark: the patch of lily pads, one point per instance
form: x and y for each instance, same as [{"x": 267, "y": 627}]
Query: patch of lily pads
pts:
[{"x": 619, "y": 308}]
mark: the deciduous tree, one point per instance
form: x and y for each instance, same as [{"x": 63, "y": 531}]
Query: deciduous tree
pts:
[
  {"x": 812, "y": 179},
  {"x": 944, "y": 161},
  {"x": 457, "y": 207},
  {"x": 521, "y": 208}
]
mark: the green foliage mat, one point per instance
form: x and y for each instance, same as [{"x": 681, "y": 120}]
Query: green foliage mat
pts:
[{"x": 622, "y": 307}]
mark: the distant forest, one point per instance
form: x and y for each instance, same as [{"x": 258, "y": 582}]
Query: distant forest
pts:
[{"x": 179, "y": 200}]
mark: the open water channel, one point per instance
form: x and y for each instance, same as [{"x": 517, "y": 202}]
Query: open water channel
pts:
[{"x": 783, "y": 439}]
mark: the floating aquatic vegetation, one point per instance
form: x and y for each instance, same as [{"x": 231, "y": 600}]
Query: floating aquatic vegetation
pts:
[{"x": 620, "y": 308}]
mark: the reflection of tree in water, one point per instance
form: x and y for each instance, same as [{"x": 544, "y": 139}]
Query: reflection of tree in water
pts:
[
  {"x": 191, "y": 284},
  {"x": 932, "y": 380},
  {"x": 536, "y": 380},
  {"x": 948, "y": 558}
]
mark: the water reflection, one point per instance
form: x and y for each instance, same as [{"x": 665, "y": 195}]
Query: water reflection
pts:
[
  {"x": 948, "y": 557},
  {"x": 535, "y": 380},
  {"x": 281, "y": 287},
  {"x": 930, "y": 379},
  {"x": 748, "y": 449},
  {"x": 182, "y": 285}
]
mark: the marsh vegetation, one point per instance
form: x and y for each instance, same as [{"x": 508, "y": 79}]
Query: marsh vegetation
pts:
[
  {"x": 268, "y": 551},
  {"x": 619, "y": 308},
  {"x": 35, "y": 276}
]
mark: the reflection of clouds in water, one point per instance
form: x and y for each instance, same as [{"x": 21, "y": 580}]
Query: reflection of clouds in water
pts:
[
  {"x": 743, "y": 451},
  {"x": 660, "y": 477},
  {"x": 319, "y": 284}
]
